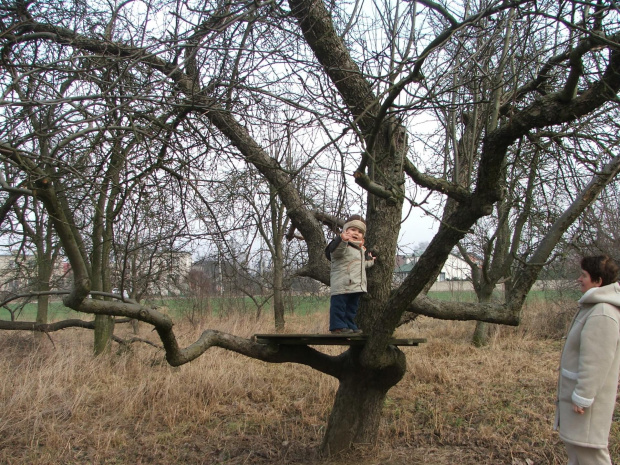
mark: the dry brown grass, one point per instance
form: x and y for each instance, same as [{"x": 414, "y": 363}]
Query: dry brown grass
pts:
[{"x": 456, "y": 404}]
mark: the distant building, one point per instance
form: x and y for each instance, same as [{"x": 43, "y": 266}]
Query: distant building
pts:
[
  {"x": 11, "y": 278},
  {"x": 18, "y": 273},
  {"x": 454, "y": 269},
  {"x": 160, "y": 273},
  {"x": 164, "y": 273}
]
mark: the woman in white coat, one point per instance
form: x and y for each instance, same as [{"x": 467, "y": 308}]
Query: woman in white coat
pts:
[{"x": 590, "y": 365}]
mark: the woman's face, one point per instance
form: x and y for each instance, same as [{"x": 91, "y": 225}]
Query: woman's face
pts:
[{"x": 586, "y": 283}]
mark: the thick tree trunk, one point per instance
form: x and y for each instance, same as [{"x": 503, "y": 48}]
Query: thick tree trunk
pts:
[
  {"x": 278, "y": 278},
  {"x": 44, "y": 270},
  {"x": 481, "y": 334},
  {"x": 104, "y": 329},
  {"x": 482, "y": 331},
  {"x": 278, "y": 309},
  {"x": 42, "y": 311},
  {"x": 356, "y": 414}
]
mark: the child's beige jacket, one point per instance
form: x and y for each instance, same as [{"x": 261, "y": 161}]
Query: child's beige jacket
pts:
[{"x": 348, "y": 269}]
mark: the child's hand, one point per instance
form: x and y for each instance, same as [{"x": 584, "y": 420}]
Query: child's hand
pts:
[
  {"x": 371, "y": 254},
  {"x": 345, "y": 236}
]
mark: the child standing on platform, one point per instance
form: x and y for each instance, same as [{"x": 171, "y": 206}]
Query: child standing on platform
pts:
[{"x": 349, "y": 261}]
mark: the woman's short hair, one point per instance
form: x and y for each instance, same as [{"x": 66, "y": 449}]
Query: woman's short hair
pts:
[{"x": 600, "y": 267}]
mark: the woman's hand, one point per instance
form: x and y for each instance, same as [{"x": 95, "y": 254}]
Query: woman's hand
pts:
[{"x": 579, "y": 410}]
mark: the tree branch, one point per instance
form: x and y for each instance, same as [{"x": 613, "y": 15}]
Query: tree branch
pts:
[
  {"x": 364, "y": 181},
  {"x": 452, "y": 190},
  {"x": 506, "y": 314},
  {"x": 45, "y": 327},
  {"x": 199, "y": 101},
  {"x": 526, "y": 278},
  {"x": 175, "y": 355}
]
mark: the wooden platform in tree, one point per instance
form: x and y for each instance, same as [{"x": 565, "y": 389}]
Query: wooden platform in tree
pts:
[{"x": 328, "y": 339}]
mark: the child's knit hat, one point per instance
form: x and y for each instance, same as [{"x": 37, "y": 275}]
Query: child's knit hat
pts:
[{"x": 355, "y": 221}]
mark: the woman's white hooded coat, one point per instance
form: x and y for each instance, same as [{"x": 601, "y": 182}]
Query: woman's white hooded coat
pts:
[{"x": 589, "y": 369}]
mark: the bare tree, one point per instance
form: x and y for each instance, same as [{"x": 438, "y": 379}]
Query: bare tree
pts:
[
  {"x": 84, "y": 150},
  {"x": 210, "y": 63},
  {"x": 545, "y": 177},
  {"x": 265, "y": 226},
  {"x": 601, "y": 224},
  {"x": 39, "y": 233}
]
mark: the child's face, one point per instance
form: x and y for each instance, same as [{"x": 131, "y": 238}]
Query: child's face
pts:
[{"x": 354, "y": 234}]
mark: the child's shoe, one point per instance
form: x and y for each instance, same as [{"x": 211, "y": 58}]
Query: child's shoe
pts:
[{"x": 341, "y": 331}]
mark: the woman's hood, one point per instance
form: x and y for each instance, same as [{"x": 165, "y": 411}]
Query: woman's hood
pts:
[{"x": 609, "y": 294}]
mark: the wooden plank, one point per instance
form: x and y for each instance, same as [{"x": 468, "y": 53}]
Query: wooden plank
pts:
[{"x": 328, "y": 339}]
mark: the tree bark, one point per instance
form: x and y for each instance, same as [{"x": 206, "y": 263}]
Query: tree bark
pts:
[
  {"x": 481, "y": 334},
  {"x": 278, "y": 229},
  {"x": 480, "y": 337},
  {"x": 104, "y": 330},
  {"x": 278, "y": 297},
  {"x": 44, "y": 271},
  {"x": 356, "y": 414},
  {"x": 41, "y": 236}
]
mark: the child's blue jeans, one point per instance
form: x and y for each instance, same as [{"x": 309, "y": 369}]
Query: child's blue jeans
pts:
[{"x": 342, "y": 310}]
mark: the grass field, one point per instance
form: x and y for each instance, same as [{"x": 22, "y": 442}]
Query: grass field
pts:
[
  {"x": 180, "y": 307},
  {"x": 299, "y": 305},
  {"x": 456, "y": 404}
]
